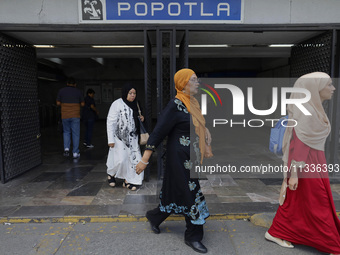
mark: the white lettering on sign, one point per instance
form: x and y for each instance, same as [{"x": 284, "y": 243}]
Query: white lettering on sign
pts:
[
  {"x": 174, "y": 8},
  {"x": 220, "y": 8},
  {"x": 121, "y": 8},
  {"x": 202, "y": 11},
  {"x": 178, "y": 9},
  {"x": 145, "y": 9},
  {"x": 190, "y": 7},
  {"x": 155, "y": 8}
]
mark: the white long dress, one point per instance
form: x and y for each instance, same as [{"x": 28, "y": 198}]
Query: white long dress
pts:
[{"x": 125, "y": 155}]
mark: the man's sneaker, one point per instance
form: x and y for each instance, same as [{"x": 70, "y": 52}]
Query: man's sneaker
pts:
[
  {"x": 89, "y": 146},
  {"x": 76, "y": 155},
  {"x": 66, "y": 153},
  {"x": 85, "y": 144}
]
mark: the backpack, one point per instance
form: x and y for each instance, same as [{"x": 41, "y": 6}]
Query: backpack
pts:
[{"x": 276, "y": 136}]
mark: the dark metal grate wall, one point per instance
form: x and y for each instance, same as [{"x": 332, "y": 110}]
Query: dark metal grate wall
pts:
[
  {"x": 148, "y": 88},
  {"x": 148, "y": 80},
  {"x": 312, "y": 55},
  {"x": 19, "y": 114},
  {"x": 166, "y": 65}
]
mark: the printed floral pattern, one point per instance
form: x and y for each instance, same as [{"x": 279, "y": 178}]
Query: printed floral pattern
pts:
[
  {"x": 150, "y": 147},
  {"x": 197, "y": 151},
  {"x": 192, "y": 185},
  {"x": 180, "y": 105},
  {"x": 188, "y": 164},
  {"x": 198, "y": 212},
  {"x": 185, "y": 141}
]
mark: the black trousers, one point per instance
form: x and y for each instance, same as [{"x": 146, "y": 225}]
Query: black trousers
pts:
[{"x": 192, "y": 233}]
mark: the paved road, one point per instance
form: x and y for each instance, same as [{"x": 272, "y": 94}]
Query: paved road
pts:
[{"x": 221, "y": 237}]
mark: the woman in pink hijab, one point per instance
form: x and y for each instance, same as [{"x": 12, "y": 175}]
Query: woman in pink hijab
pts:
[{"x": 306, "y": 214}]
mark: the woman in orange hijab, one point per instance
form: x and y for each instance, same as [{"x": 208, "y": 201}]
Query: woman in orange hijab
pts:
[{"x": 180, "y": 193}]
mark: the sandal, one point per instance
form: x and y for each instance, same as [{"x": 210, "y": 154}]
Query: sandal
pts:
[
  {"x": 279, "y": 241},
  {"x": 129, "y": 186},
  {"x": 111, "y": 180}
]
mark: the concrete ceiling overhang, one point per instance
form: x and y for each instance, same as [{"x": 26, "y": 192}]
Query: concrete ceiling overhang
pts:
[{"x": 241, "y": 44}]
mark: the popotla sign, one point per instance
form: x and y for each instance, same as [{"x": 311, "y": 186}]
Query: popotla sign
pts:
[{"x": 134, "y": 11}]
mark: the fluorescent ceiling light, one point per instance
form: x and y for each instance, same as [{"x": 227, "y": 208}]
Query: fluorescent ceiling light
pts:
[
  {"x": 117, "y": 46},
  {"x": 208, "y": 45},
  {"x": 44, "y": 46},
  {"x": 281, "y": 45},
  {"x": 46, "y": 79}
]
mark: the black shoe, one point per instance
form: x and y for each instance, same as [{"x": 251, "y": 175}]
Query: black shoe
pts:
[
  {"x": 154, "y": 228},
  {"x": 66, "y": 153},
  {"x": 197, "y": 246},
  {"x": 111, "y": 180}
]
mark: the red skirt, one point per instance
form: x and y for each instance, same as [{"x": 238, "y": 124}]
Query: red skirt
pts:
[{"x": 308, "y": 215}]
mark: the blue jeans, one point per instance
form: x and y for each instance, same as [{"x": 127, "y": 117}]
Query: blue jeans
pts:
[
  {"x": 71, "y": 125},
  {"x": 88, "y": 131}
]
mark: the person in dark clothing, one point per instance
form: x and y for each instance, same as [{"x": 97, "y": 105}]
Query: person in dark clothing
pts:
[
  {"x": 90, "y": 114},
  {"x": 70, "y": 99},
  {"x": 180, "y": 193}
]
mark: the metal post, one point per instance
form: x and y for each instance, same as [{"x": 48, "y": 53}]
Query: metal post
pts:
[
  {"x": 159, "y": 98},
  {"x": 335, "y": 120}
]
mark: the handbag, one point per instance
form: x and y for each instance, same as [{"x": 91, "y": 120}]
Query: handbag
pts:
[{"x": 144, "y": 135}]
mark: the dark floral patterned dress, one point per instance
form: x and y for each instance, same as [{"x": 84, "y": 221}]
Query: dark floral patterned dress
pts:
[{"x": 180, "y": 194}]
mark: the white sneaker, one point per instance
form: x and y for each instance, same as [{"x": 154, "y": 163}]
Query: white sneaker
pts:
[
  {"x": 76, "y": 155},
  {"x": 89, "y": 146}
]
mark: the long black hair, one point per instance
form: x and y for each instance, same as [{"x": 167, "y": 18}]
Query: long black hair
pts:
[{"x": 133, "y": 105}]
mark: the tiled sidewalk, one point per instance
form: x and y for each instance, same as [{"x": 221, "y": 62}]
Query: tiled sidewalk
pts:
[{"x": 65, "y": 187}]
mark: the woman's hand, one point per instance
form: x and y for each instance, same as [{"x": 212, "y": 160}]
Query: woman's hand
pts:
[
  {"x": 207, "y": 136},
  {"x": 143, "y": 163},
  {"x": 141, "y": 118},
  {"x": 111, "y": 145},
  {"x": 140, "y": 167},
  {"x": 293, "y": 183}
]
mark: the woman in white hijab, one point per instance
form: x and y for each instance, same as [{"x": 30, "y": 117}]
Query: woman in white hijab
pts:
[{"x": 306, "y": 214}]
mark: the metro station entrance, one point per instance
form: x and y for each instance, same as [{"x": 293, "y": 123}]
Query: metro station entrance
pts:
[{"x": 107, "y": 58}]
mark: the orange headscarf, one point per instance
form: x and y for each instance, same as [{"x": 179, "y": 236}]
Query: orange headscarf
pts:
[{"x": 181, "y": 79}]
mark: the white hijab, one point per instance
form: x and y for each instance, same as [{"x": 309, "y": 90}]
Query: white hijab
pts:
[{"x": 313, "y": 129}]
